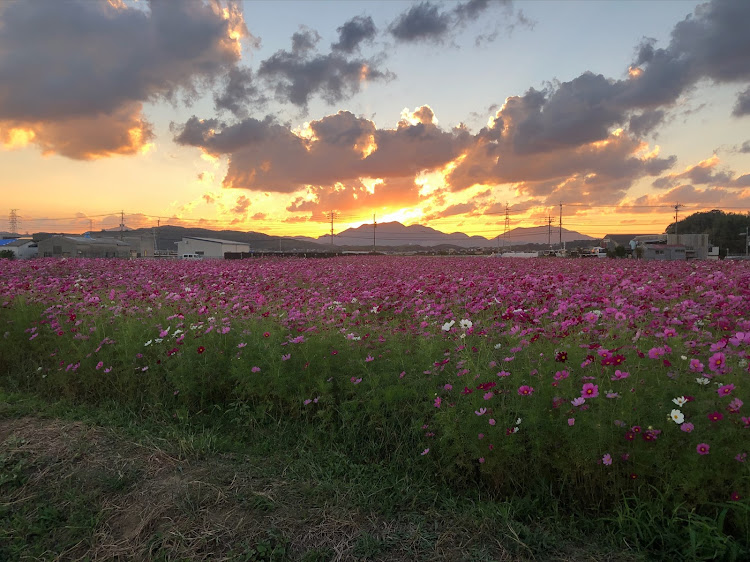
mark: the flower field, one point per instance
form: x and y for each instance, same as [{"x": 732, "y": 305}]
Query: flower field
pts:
[{"x": 596, "y": 380}]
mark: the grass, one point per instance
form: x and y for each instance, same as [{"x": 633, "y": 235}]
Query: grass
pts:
[{"x": 100, "y": 483}]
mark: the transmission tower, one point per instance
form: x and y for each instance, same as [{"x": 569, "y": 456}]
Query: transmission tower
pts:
[
  {"x": 331, "y": 215},
  {"x": 13, "y": 221}
]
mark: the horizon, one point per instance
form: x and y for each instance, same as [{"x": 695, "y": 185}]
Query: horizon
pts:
[{"x": 477, "y": 117}]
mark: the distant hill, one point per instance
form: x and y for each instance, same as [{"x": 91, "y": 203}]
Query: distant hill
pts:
[
  {"x": 725, "y": 230},
  {"x": 396, "y": 234}
]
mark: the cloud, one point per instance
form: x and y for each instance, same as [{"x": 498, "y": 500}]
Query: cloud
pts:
[
  {"x": 429, "y": 22},
  {"x": 301, "y": 73},
  {"x": 705, "y": 172},
  {"x": 452, "y": 210},
  {"x": 742, "y": 107},
  {"x": 240, "y": 90},
  {"x": 355, "y": 31},
  {"x": 70, "y": 68},
  {"x": 713, "y": 43},
  {"x": 242, "y": 205},
  {"x": 422, "y": 21},
  {"x": 337, "y": 148},
  {"x": 745, "y": 148}
]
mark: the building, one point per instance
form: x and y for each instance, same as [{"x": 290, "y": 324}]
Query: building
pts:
[
  {"x": 665, "y": 252},
  {"x": 141, "y": 246},
  {"x": 696, "y": 245},
  {"x": 209, "y": 247},
  {"x": 22, "y": 248},
  {"x": 83, "y": 247}
]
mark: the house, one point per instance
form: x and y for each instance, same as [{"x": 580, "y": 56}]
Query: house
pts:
[
  {"x": 83, "y": 247},
  {"x": 22, "y": 248},
  {"x": 209, "y": 247}
]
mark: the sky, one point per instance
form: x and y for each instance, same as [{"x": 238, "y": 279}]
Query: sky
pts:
[{"x": 475, "y": 116}]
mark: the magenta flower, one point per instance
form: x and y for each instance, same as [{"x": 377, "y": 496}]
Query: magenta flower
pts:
[
  {"x": 619, "y": 375},
  {"x": 571, "y": 421},
  {"x": 481, "y": 460},
  {"x": 717, "y": 362},
  {"x": 488, "y": 395},
  {"x": 255, "y": 369},
  {"x": 525, "y": 390},
  {"x": 438, "y": 400},
  {"x": 369, "y": 358},
  {"x": 492, "y": 421},
  {"x": 561, "y": 375},
  {"x": 589, "y": 390},
  {"x": 696, "y": 366},
  {"x": 578, "y": 401},
  {"x": 607, "y": 459},
  {"x": 734, "y": 406},
  {"x": 703, "y": 448},
  {"x": 715, "y": 416},
  {"x": 480, "y": 411},
  {"x": 425, "y": 452},
  {"x": 725, "y": 390}
]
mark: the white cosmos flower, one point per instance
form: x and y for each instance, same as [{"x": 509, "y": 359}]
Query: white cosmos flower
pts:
[
  {"x": 702, "y": 380},
  {"x": 680, "y": 400},
  {"x": 466, "y": 324},
  {"x": 448, "y": 325},
  {"x": 677, "y": 416}
]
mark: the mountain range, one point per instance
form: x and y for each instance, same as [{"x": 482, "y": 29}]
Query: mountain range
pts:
[{"x": 396, "y": 234}]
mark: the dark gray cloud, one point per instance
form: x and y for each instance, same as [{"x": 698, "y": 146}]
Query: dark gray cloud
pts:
[
  {"x": 355, "y": 31},
  {"x": 745, "y": 148},
  {"x": 424, "y": 21},
  {"x": 301, "y": 73},
  {"x": 643, "y": 123},
  {"x": 304, "y": 40},
  {"x": 240, "y": 93},
  {"x": 86, "y": 60},
  {"x": 431, "y": 22},
  {"x": 742, "y": 107}
]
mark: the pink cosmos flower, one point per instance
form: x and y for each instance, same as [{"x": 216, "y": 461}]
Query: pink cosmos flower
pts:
[
  {"x": 734, "y": 406},
  {"x": 438, "y": 400},
  {"x": 703, "y": 448},
  {"x": 578, "y": 401},
  {"x": 286, "y": 357},
  {"x": 356, "y": 380},
  {"x": 480, "y": 436},
  {"x": 717, "y": 362},
  {"x": 589, "y": 390},
  {"x": 715, "y": 416},
  {"x": 687, "y": 427},
  {"x": 619, "y": 375},
  {"x": 571, "y": 421},
  {"x": 607, "y": 459},
  {"x": 448, "y": 386},
  {"x": 492, "y": 421},
  {"x": 525, "y": 390},
  {"x": 369, "y": 358},
  {"x": 425, "y": 452},
  {"x": 725, "y": 390},
  {"x": 255, "y": 369},
  {"x": 481, "y": 460},
  {"x": 741, "y": 457},
  {"x": 99, "y": 365},
  {"x": 480, "y": 411},
  {"x": 503, "y": 374},
  {"x": 696, "y": 366},
  {"x": 561, "y": 375}
]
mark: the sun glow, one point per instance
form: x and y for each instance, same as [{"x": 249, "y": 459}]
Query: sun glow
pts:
[{"x": 17, "y": 138}]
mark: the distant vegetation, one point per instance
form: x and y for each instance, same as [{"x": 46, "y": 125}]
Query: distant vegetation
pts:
[{"x": 723, "y": 229}]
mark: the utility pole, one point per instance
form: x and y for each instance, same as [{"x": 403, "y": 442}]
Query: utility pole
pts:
[
  {"x": 507, "y": 225},
  {"x": 122, "y": 223},
  {"x": 676, "y": 208},
  {"x": 13, "y": 221},
  {"x": 374, "y": 226},
  {"x": 561, "y": 225},
  {"x": 549, "y": 231}
]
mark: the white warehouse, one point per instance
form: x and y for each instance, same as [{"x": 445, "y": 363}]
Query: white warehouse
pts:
[{"x": 193, "y": 246}]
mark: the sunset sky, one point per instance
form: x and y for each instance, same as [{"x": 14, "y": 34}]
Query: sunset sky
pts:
[{"x": 268, "y": 116}]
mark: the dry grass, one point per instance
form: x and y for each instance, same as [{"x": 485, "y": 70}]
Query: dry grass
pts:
[{"x": 153, "y": 505}]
